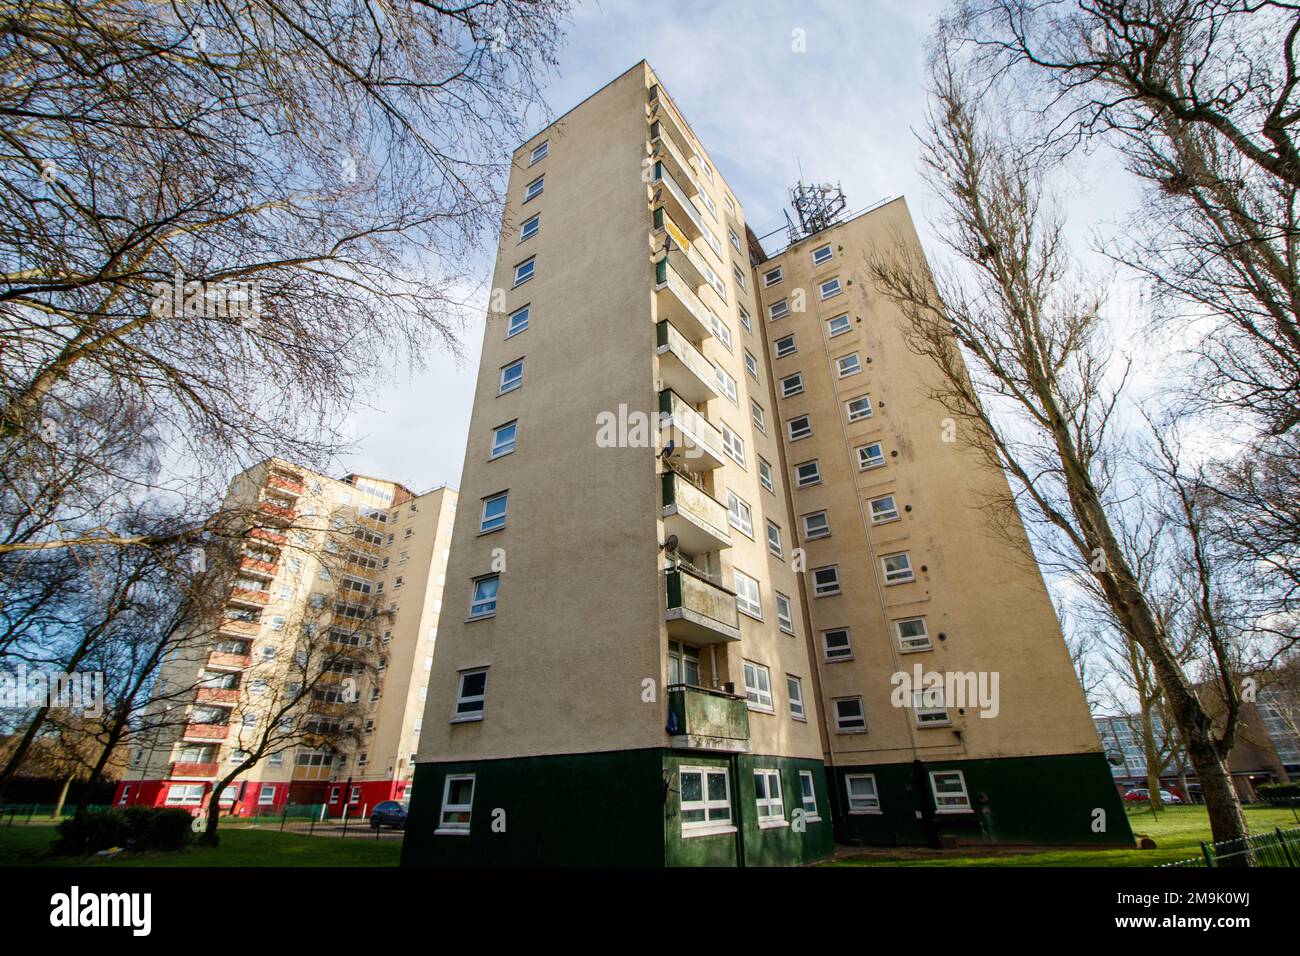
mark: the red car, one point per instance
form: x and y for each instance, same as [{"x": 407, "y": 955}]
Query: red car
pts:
[{"x": 1142, "y": 795}]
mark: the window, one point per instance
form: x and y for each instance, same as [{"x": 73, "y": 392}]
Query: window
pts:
[
  {"x": 912, "y": 635},
  {"x": 778, "y": 310},
  {"x": 949, "y": 787},
  {"x": 732, "y": 444},
  {"x": 534, "y": 189},
  {"x": 836, "y": 645},
  {"x": 744, "y": 318},
  {"x": 470, "y": 694},
  {"x": 772, "y": 277},
  {"x": 512, "y": 376},
  {"x": 524, "y": 271},
  {"x": 747, "y": 599},
  {"x": 539, "y": 152},
  {"x": 494, "y": 513},
  {"x": 862, "y": 794},
  {"x": 705, "y": 801},
  {"x": 727, "y": 384},
  {"x": 826, "y": 581},
  {"x": 808, "y": 796},
  {"x": 816, "y": 525},
  {"x": 774, "y": 539},
  {"x": 751, "y": 365},
  {"x": 838, "y": 326},
  {"x": 503, "y": 439},
  {"x": 807, "y": 473},
  {"x": 929, "y": 708},
  {"x": 870, "y": 456},
  {"x": 683, "y": 664},
  {"x": 758, "y": 686},
  {"x": 735, "y": 270},
  {"x": 848, "y": 365},
  {"x": 883, "y": 509},
  {"x": 792, "y": 385},
  {"x": 765, "y": 474},
  {"x": 266, "y": 796},
  {"x": 800, "y": 427},
  {"x": 720, "y": 330},
  {"x": 898, "y": 568},
  {"x": 850, "y": 718},
  {"x": 784, "y": 614},
  {"x": 821, "y": 256},
  {"x": 185, "y": 794},
  {"x": 785, "y": 346},
  {"x": 739, "y": 514},
  {"x": 484, "y": 602},
  {"x": 530, "y": 227},
  {"x": 859, "y": 408},
  {"x": 518, "y": 322},
  {"x": 767, "y": 792},
  {"x": 794, "y": 687},
  {"x": 731, "y": 234},
  {"x": 457, "y": 804},
  {"x": 759, "y": 416},
  {"x": 830, "y": 288}
]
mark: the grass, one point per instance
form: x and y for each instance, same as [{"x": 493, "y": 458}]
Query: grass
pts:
[
  {"x": 1177, "y": 832},
  {"x": 30, "y": 846}
]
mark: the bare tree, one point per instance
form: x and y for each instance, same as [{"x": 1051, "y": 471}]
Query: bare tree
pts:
[{"x": 1042, "y": 399}]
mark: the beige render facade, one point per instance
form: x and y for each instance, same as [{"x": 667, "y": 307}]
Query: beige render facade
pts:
[
  {"x": 318, "y": 556},
  {"x": 626, "y": 672}
]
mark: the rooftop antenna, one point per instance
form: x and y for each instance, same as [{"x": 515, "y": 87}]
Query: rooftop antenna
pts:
[{"x": 816, "y": 206}]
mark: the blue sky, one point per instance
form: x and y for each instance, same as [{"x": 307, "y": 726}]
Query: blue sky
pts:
[{"x": 844, "y": 109}]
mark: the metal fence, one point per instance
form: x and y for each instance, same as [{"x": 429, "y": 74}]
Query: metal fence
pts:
[
  {"x": 11, "y": 813},
  {"x": 311, "y": 819},
  {"x": 1279, "y": 848}
]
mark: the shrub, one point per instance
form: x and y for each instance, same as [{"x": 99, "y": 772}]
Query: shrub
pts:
[{"x": 137, "y": 828}]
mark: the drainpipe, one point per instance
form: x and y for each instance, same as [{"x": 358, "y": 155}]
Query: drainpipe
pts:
[{"x": 736, "y": 816}]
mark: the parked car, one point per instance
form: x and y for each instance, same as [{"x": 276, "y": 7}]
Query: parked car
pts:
[
  {"x": 1142, "y": 795},
  {"x": 390, "y": 813}
]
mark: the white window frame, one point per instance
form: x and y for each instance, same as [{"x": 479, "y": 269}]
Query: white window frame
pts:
[
  {"x": 456, "y": 827},
  {"x": 756, "y": 697},
  {"x": 867, "y": 463},
  {"x": 520, "y": 275},
  {"x": 779, "y": 352},
  {"x": 898, "y": 575},
  {"x": 808, "y": 796},
  {"x": 474, "y": 600},
  {"x": 530, "y": 192},
  {"x": 504, "y": 386},
  {"x": 964, "y": 796},
  {"x": 535, "y": 221},
  {"x": 833, "y": 284},
  {"x": 838, "y": 326},
  {"x": 827, "y": 655},
  {"x": 884, "y": 515},
  {"x": 751, "y": 365},
  {"x": 911, "y": 644},
  {"x": 811, "y": 533},
  {"x": 769, "y": 799},
  {"x": 711, "y": 824},
  {"x": 778, "y": 310},
  {"x": 498, "y": 521},
  {"x": 794, "y": 690},
  {"x": 733, "y": 446},
  {"x": 500, "y": 449},
  {"x": 820, "y": 590},
  {"x": 857, "y": 414},
  {"x": 758, "y": 415},
  {"x": 852, "y": 728},
  {"x": 862, "y": 806},
  {"x": 749, "y": 600},
  {"x": 540, "y": 152},
  {"x": 805, "y": 432},
  {"x": 784, "y": 613},
  {"x": 774, "y": 539},
  {"x": 772, "y": 277},
  {"x": 800, "y": 481},
  {"x": 792, "y": 385},
  {"x": 739, "y": 514},
  {"x": 727, "y": 384},
  {"x": 929, "y": 708},
  {"x": 830, "y": 254},
  {"x": 848, "y": 365},
  {"x": 514, "y": 317},
  {"x": 765, "y": 474},
  {"x": 459, "y": 716}
]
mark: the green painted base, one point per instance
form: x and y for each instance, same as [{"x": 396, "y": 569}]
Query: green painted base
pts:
[
  {"x": 1067, "y": 799},
  {"x": 613, "y": 809}
]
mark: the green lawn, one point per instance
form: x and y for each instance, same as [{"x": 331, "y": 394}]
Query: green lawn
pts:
[
  {"x": 1177, "y": 832},
  {"x": 30, "y": 846}
]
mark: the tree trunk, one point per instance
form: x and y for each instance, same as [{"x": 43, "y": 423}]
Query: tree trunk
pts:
[{"x": 63, "y": 796}]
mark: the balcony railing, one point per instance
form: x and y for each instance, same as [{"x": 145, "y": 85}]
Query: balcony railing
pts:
[
  {"x": 697, "y": 518},
  {"x": 203, "y": 771},
  {"x": 206, "y": 731},
  {"x": 676, "y": 301},
  {"x": 227, "y": 661},
  {"x": 681, "y": 366},
  {"x": 697, "y": 444},
  {"x": 277, "y": 513},
  {"x": 663, "y": 111},
  {"x": 704, "y": 719},
  {"x": 242, "y": 628},
  {"x": 259, "y": 567},
  {"x": 673, "y": 158},
  {"x": 265, "y": 534},
  {"x": 286, "y": 484},
  {"x": 249, "y": 596},
  {"x": 216, "y": 695},
  {"x": 700, "y": 611}
]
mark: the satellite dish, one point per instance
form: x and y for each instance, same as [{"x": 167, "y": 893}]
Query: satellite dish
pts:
[
  {"x": 1115, "y": 758},
  {"x": 670, "y": 543}
]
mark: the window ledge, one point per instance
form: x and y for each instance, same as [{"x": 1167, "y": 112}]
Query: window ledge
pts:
[
  {"x": 717, "y": 830},
  {"x": 865, "y": 813},
  {"x": 466, "y": 719},
  {"x": 773, "y": 824},
  {"x": 760, "y": 710},
  {"x": 442, "y": 832}
]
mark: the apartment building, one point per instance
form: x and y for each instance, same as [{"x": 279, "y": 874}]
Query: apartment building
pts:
[
  {"x": 634, "y": 668},
  {"x": 336, "y": 579}
]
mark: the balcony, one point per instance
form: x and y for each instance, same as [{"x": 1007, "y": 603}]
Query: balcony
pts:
[
  {"x": 683, "y": 255},
  {"x": 258, "y": 567},
  {"x": 676, "y": 301},
  {"x": 199, "y": 771},
  {"x": 206, "y": 731},
  {"x": 704, "y": 719},
  {"x": 681, "y": 366},
  {"x": 242, "y": 628},
  {"x": 277, "y": 513},
  {"x": 666, "y": 114},
  {"x": 697, "y": 445},
  {"x": 698, "y": 519},
  {"x": 673, "y": 198},
  {"x": 272, "y": 537},
  {"x": 249, "y": 596},
  {"x": 223, "y": 660},
  {"x": 285, "y": 483},
  {"x": 665, "y": 150},
  {"x": 221, "y": 696},
  {"x": 699, "y": 611}
]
